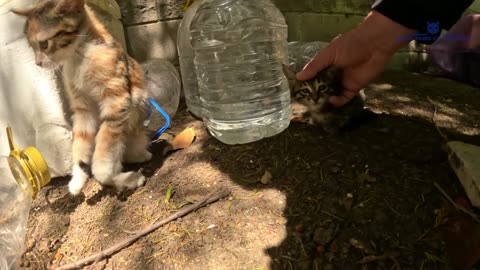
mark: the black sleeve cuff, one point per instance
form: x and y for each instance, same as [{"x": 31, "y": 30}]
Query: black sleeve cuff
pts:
[{"x": 418, "y": 14}]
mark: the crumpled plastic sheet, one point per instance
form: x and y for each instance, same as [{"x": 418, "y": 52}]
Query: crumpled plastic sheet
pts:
[{"x": 457, "y": 52}]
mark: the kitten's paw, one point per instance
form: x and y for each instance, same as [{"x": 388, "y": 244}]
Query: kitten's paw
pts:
[
  {"x": 141, "y": 181},
  {"x": 104, "y": 170},
  {"x": 129, "y": 180},
  {"x": 77, "y": 183},
  {"x": 75, "y": 187}
]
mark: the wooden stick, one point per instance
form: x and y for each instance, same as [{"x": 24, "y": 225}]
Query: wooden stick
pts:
[{"x": 212, "y": 197}]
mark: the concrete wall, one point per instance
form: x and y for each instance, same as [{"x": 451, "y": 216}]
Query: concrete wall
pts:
[
  {"x": 310, "y": 20},
  {"x": 151, "y": 27}
]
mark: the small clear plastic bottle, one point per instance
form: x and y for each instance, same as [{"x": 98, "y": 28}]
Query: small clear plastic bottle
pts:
[
  {"x": 239, "y": 47},
  {"x": 300, "y": 53},
  {"x": 163, "y": 82},
  {"x": 23, "y": 173}
]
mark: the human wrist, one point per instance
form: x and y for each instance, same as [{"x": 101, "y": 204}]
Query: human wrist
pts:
[{"x": 384, "y": 34}]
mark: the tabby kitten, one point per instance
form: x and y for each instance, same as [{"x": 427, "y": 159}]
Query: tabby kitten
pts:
[
  {"x": 105, "y": 87},
  {"x": 314, "y": 94}
]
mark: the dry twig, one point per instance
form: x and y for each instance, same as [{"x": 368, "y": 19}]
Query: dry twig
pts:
[
  {"x": 215, "y": 196},
  {"x": 444, "y": 137}
]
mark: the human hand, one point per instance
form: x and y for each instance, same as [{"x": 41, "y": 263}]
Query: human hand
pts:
[{"x": 360, "y": 54}]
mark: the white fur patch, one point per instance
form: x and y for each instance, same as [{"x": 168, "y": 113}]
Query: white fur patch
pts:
[
  {"x": 128, "y": 180},
  {"x": 104, "y": 170},
  {"x": 78, "y": 181}
]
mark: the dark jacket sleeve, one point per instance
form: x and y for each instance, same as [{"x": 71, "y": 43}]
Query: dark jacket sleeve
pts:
[{"x": 416, "y": 14}]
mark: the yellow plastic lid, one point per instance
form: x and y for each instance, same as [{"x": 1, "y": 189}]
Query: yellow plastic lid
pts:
[{"x": 28, "y": 167}]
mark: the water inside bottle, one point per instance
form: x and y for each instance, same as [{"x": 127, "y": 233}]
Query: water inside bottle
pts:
[{"x": 239, "y": 47}]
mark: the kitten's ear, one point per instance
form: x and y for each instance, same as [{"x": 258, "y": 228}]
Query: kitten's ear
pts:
[
  {"x": 289, "y": 73},
  {"x": 69, "y": 6},
  {"x": 26, "y": 11}
]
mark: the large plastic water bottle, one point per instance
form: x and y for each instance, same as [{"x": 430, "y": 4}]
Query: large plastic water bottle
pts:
[
  {"x": 185, "y": 55},
  {"x": 239, "y": 47}
]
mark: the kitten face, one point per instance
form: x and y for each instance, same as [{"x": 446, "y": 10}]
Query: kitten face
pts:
[
  {"x": 52, "y": 29},
  {"x": 314, "y": 91}
]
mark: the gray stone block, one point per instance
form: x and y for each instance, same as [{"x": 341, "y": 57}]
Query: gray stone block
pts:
[
  {"x": 475, "y": 7},
  {"x": 293, "y": 6},
  {"x": 409, "y": 61},
  {"x": 146, "y": 11},
  {"x": 138, "y": 11},
  {"x": 170, "y": 9},
  {"x": 111, "y": 7},
  {"x": 317, "y": 26},
  {"x": 155, "y": 40},
  {"x": 465, "y": 161},
  {"x": 108, "y": 12},
  {"x": 359, "y": 7}
]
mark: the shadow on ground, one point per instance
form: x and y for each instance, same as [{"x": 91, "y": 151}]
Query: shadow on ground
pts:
[
  {"x": 370, "y": 191},
  {"x": 366, "y": 196}
]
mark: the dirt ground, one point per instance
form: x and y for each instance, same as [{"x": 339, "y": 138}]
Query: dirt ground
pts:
[{"x": 333, "y": 202}]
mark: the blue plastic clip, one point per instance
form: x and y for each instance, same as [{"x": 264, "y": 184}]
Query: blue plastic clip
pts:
[{"x": 164, "y": 114}]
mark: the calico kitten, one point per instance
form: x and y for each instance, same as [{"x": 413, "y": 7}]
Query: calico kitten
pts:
[
  {"x": 105, "y": 87},
  {"x": 314, "y": 94}
]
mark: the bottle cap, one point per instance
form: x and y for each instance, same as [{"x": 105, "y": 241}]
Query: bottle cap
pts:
[{"x": 28, "y": 167}]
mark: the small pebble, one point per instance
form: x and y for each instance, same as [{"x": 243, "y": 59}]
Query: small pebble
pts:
[{"x": 266, "y": 178}]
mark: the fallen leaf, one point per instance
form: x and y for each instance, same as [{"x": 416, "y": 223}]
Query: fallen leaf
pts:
[
  {"x": 462, "y": 241},
  {"x": 173, "y": 228},
  {"x": 440, "y": 216},
  {"x": 362, "y": 245},
  {"x": 58, "y": 256},
  {"x": 462, "y": 202},
  {"x": 184, "y": 139}
]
